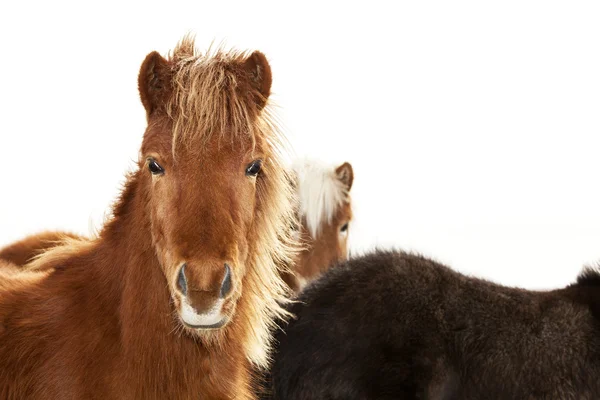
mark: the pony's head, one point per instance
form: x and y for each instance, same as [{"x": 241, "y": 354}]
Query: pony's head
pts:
[
  {"x": 325, "y": 215},
  {"x": 218, "y": 200}
]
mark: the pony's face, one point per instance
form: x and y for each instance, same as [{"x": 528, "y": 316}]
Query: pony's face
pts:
[
  {"x": 203, "y": 188},
  {"x": 329, "y": 246},
  {"x": 202, "y": 206},
  {"x": 327, "y": 243}
]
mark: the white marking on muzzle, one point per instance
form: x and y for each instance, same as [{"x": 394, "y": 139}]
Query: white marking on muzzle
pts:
[{"x": 212, "y": 317}]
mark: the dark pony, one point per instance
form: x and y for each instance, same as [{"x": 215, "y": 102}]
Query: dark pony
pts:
[
  {"x": 392, "y": 325},
  {"x": 177, "y": 296}
]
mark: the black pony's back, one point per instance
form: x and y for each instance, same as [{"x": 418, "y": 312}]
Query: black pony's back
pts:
[{"x": 392, "y": 325}]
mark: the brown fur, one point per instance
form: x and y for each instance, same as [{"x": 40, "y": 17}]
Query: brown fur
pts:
[
  {"x": 100, "y": 318},
  {"x": 26, "y": 249}
]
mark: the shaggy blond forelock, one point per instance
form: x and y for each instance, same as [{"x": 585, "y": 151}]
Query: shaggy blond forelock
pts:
[{"x": 208, "y": 96}]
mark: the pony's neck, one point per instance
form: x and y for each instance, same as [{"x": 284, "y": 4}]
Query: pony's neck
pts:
[{"x": 127, "y": 246}]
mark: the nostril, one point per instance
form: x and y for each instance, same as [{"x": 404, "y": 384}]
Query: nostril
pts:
[
  {"x": 182, "y": 281},
  {"x": 226, "y": 285}
]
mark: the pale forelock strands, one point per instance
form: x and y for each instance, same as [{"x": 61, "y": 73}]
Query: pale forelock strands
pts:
[
  {"x": 207, "y": 94},
  {"x": 320, "y": 193}
]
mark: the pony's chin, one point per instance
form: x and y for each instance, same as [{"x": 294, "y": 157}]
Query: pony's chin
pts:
[{"x": 216, "y": 325}]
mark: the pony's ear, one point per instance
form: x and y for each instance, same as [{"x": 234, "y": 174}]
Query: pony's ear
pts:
[
  {"x": 153, "y": 81},
  {"x": 258, "y": 71},
  {"x": 345, "y": 173}
]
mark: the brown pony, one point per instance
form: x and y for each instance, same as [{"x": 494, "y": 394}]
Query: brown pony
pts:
[
  {"x": 324, "y": 212},
  {"x": 177, "y": 295}
]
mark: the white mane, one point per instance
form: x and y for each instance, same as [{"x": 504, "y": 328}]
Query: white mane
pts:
[{"x": 320, "y": 192}]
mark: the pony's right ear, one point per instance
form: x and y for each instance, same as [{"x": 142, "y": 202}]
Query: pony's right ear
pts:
[
  {"x": 258, "y": 70},
  {"x": 345, "y": 173},
  {"x": 153, "y": 82}
]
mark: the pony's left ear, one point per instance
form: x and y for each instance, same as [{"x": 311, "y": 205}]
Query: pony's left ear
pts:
[
  {"x": 345, "y": 173},
  {"x": 154, "y": 82},
  {"x": 258, "y": 71}
]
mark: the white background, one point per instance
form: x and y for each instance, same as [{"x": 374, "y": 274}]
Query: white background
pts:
[{"x": 473, "y": 127}]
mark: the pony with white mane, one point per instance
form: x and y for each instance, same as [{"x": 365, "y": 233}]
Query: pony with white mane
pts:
[{"x": 325, "y": 213}]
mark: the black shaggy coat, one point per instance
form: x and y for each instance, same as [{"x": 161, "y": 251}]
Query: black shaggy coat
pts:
[{"x": 392, "y": 325}]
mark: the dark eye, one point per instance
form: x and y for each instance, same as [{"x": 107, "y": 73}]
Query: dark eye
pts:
[
  {"x": 155, "y": 167},
  {"x": 254, "y": 168},
  {"x": 344, "y": 227}
]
